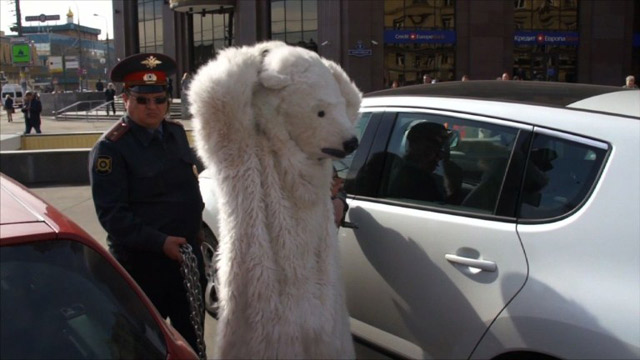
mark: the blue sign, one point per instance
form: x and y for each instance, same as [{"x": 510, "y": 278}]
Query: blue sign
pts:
[
  {"x": 546, "y": 38},
  {"x": 419, "y": 36},
  {"x": 636, "y": 40},
  {"x": 360, "y": 50}
]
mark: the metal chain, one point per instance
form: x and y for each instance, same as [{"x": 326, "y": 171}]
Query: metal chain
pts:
[{"x": 189, "y": 270}]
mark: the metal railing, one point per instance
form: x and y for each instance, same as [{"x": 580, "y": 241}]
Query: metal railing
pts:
[{"x": 87, "y": 107}]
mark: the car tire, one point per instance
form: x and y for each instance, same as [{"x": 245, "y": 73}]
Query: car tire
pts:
[{"x": 209, "y": 249}]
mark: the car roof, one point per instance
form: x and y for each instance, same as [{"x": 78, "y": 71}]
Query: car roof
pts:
[
  {"x": 566, "y": 95},
  {"x": 24, "y": 217}
]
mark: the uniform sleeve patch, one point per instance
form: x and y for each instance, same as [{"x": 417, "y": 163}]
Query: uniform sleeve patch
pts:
[{"x": 103, "y": 165}]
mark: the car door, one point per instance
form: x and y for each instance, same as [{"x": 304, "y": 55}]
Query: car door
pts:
[{"x": 425, "y": 277}]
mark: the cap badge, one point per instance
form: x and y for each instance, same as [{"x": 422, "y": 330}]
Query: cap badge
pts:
[
  {"x": 151, "y": 62},
  {"x": 150, "y": 78}
]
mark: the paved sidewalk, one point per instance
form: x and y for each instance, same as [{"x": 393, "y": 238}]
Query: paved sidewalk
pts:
[{"x": 51, "y": 126}]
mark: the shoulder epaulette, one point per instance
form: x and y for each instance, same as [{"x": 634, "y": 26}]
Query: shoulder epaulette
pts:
[
  {"x": 175, "y": 122},
  {"x": 117, "y": 130}
]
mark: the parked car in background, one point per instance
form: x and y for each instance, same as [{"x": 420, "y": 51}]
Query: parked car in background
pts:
[
  {"x": 63, "y": 296},
  {"x": 513, "y": 232}
]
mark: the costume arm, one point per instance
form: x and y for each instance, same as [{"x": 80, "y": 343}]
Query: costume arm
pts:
[{"x": 109, "y": 185}]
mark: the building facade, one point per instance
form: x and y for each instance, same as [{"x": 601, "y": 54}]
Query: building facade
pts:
[
  {"x": 66, "y": 57},
  {"x": 379, "y": 41}
]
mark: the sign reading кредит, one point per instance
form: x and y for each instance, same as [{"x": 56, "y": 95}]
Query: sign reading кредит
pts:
[{"x": 21, "y": 54}]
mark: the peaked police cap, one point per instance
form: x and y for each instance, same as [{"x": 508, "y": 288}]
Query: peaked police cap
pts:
[{"x": 144, "y": 73}]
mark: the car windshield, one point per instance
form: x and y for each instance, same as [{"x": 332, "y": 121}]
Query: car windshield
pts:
[{"x": 63, "y": 300}]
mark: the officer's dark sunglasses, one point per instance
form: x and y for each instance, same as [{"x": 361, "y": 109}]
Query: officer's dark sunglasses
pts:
[{"x": 141, "y": 100}]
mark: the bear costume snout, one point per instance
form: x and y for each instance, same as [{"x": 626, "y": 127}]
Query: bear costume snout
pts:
[{"x": 348, "y": 147}]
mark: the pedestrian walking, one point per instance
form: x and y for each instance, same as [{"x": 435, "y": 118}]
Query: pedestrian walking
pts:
[
  {"x": 32, "y": 108},
  {"x": 8, "y": 107},
  {"x": 110, "y": 96}
]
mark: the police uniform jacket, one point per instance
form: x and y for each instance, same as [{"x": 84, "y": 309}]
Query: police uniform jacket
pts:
[{"x": 145, "y": 188}]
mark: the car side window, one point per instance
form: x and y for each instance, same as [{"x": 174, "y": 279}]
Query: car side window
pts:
[
  {"x": 446, "y": 162},
  {"x": 343, "y": 165},
  {"x": 560, "y": 174}
]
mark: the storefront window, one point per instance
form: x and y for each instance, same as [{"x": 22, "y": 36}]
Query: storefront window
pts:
[
  {"x": 150, "y": 25},
  {"x": 295, "y": 22},
  {"x": 546, "y": 40},
  {"x": 212, "y": 31},
  {"x": 419, "y": 40}
]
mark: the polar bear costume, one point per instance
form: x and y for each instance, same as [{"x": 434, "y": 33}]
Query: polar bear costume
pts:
[{"x": 269, "y": 119}]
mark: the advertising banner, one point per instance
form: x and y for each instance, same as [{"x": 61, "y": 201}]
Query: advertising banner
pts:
[
  {"x": 55, "y": 64},
  {"x": 546, "y": 38},
  {"x": 419, "y": 37},
  {"x": 71, "y": 62}
]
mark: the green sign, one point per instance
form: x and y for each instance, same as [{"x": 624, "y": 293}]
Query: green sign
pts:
[{"x": 21, "y": 53}]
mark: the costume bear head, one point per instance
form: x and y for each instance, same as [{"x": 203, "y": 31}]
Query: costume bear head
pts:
[{"x": 290, "y": 95}]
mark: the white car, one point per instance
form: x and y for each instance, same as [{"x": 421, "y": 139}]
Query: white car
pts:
[{"x": 493, "y": 220}]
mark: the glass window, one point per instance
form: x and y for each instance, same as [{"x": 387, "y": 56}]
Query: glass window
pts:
[
  {"x": 409, "y": 61},
  {"x": 559, "y": 175},
  {"x": 295, "y": 22},
  {"x": 211, "y": 33},
  {"x": 63, "y": 300},
  {"x": 343, "y": 165},
  {"x": 549, "y": 21},
  {"x": 446, "y": 162},
  {"x": 150, "y": 32}
]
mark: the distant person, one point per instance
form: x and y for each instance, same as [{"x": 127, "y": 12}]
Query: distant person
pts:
[
  {"x": 186, "y": 80},
  {"x": 395, "y": 84},
  {"x": 8, "y": 107},
  {"x": 630, "y": 82},
  {"x": 110, "y": 95},
  {"x": 465, "y": 77},
  {"x": 505, "y": 76},
  {"x": 426, "y": 79},
  {"x": 31, "y": 108},
  {"x": 170, "y": 86},
  {"x": 99, "y": 86}
]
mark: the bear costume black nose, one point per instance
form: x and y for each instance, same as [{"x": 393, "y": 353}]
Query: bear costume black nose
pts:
[{"x": 350, "y": 145}]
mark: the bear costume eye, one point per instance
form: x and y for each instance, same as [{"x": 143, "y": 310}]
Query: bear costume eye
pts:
[{"x": 321, "y": 113}]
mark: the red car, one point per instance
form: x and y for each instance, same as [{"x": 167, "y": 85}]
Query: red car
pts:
[{"x": 63, "y": 296}]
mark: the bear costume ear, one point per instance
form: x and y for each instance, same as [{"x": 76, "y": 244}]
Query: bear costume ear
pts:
[
  {"x": 350, "y": 92},
  {"x": 273, "y": 80}
]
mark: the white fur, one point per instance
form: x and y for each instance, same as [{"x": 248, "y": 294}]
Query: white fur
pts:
[{"x": 256, "y": 124}]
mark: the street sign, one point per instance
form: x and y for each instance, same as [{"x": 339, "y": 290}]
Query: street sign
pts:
[
  {"x": 42, "y": 18},
  {"x": 20, "y": 54}
]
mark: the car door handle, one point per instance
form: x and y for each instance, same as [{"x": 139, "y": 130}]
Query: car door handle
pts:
[
  {"x": 349, "y": 225},
  {"x": 480, "y": 264}
]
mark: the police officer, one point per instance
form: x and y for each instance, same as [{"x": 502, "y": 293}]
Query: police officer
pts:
[{"x": 145, "y": 189}]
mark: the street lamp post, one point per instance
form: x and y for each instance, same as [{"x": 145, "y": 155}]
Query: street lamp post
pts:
[{"x": 106, "y": 26}]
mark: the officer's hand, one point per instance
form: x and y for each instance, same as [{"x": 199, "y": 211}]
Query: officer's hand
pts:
[
  {"x": 171, "y": 247},
  {"x": 338, "y": 211},
  {"x": 200, "y": 237}
]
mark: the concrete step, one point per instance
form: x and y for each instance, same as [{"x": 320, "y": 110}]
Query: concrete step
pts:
[{"x": 102, "y": 116}]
